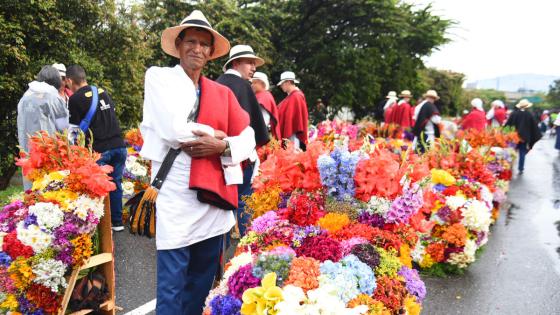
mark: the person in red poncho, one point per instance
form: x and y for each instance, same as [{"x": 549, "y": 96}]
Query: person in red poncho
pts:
[
  {"x": 269, "y": 109},
  {"x": 476, "y": 119},
  {"x": 497, "y": 115},
  {"x": 403, "y": 112},
  {"x": 389, "y": 107},
  {"x": 293, "y": 111}
]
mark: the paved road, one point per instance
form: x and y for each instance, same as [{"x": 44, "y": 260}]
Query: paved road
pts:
[{"x": 519, "y": 273}]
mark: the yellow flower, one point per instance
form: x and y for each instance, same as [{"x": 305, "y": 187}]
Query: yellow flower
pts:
[
  {"x": 21, "y": 272},
  {"x": 261, "y": 300},
  {"x": 9, "y": 303},
  {"x": 442, "y": 177},
  {"x": 427, "y": 261},
  {"x": 63, "y": 197},
  {"x": 405, "y": 257},
  {"x": 333, "y": 222},
  {"x": 412, "y": 308}
]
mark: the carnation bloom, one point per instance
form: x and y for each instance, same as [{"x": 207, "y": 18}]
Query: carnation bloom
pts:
[
  {"x": 304, "y": 272},
  {"x": 442, "y": 177},
  {"x": 333, "y": 222},
  {"x": 477, "y": 216}
]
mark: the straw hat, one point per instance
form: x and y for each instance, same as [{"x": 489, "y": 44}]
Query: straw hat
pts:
[
  {"x": 195, "y": 19},
  {"x": 431, "y": 93},
  {"x": 262, "y": 77},
  {"x": 391, "y": 94},
  {"x": 61, "y": 69},
  {"x": 287, "y": 76},
  {"x": 243, "y": 51},
  {"x": 405, "y": 93},
  {"x": 524, "y": 104}
]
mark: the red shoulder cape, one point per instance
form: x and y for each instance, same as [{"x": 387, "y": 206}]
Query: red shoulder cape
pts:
[
  {"x": 294, "y": 116},
  {"x": 266, "y": 99},
  {"x": 476, "y": 119},
  {"x": 220, "y": 110},
  {"x": 402, "y": 115}
]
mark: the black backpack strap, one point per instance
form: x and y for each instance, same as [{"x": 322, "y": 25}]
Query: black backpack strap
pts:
[{"x": 165, "y": 167}]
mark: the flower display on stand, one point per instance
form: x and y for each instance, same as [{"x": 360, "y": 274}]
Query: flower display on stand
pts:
[
  {"x": 136, "y": 175},
  {"x": 48, "y": 233}
]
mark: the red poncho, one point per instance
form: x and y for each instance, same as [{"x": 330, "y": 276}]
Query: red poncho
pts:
[
  {"x": 500, "y": 115},
  {"x": 476, "y": 119},
  {"x": 402, "y": 115},
  {"x": 390, "y": 114},
  {"x": 293, "y": 116},
  {"x": 220, "y": 110},
  {"x": 267, "y": 101}
]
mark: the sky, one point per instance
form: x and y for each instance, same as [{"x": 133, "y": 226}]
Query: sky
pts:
[{"x": 498, "y": 37}]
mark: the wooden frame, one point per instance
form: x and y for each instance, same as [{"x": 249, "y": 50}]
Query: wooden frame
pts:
[{"x": 105, "y": 261}]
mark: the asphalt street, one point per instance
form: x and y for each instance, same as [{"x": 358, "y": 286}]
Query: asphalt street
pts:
[{"x": 518, "y": 273}]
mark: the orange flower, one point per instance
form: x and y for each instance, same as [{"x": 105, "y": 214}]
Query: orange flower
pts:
[
  {"x": 455, "y": 234},
  {"x": 436, "y": 251},
  {"x": 333, "y": 222},
  {"x": 304, "y": 273}
]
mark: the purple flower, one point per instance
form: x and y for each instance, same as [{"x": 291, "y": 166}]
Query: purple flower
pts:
[
  {"x": 5, "y": 259},
  {"x": 444, "y": 213},
  {"x": 30, "y": 220},
  {"x": 374, "y": 219},
  {"x": 405, "y": 206},
  {"x": 242, "y": 280},
  {"x": 225, "y": 305},
  {"x": 264, "y": 222},
  {"x": 337, "y": 172},
  {"x": 284, "y": 197},
  {"x": 414, "y": 284}
]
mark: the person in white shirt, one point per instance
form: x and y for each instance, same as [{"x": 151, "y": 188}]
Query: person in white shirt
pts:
[
  {"x": 183, "y": 109},
  {"x": 426, "y": 120}
]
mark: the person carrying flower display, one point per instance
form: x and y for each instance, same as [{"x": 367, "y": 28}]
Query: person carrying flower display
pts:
[
  {"x": 269, "y": 109},
  {"x": 402, "y": 114},
  {"x": 476, "y": 118},
  {"x": 527, "y": 127},
  {"x": 496, "y": 116},
  {"x": 184, "y": 109},
  {"x": 293, "y": 113},
  {"x": 239, "y": 69},
  {"x": 427, "y": 118}
]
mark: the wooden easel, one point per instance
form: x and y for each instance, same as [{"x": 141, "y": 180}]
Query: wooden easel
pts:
[{"x": 105, "y": 259}]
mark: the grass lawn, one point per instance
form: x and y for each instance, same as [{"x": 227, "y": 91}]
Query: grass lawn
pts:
[{"x": 9, "y": 193}]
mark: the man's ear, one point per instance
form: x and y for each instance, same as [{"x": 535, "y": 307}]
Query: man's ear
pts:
[{"x": 177, "y": 41}]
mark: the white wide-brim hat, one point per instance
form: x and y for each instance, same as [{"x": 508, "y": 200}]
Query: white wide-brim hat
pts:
[
  {"x": 405, "y": 93},
  {"x": 262, "y": 77},
  {"x": 523, "y": 104},
  {"x": 498, "y": 103},
  {"x": 61, "y": 69},
  {"x": 243, "y": 51},
  {"x": 431, "y": 93},
  {"x": 287, "y": 76},
  {"x": 195, "y": 19},
  {"x": 391, "y": 94}
]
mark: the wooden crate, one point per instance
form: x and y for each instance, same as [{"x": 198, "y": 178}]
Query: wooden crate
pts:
[{"x": 105, "y": 261}]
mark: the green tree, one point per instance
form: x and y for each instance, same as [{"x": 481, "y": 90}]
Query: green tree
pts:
[
  {"x": 553, "y": 96},
  {"x": 486, "y": 95},
  {"x": 448, "y": 85}
]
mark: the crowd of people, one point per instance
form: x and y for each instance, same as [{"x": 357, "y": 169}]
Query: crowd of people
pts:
[{"x": 215, "y": 128}]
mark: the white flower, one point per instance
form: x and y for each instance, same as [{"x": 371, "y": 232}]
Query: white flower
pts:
[
  {"x": 138, "y": 170},
  {"x": 466, "y": 257},
  {"x": 2, "y": 234},
  {"x": 130, "y": 160},
  {"x": 476, "y": 216},
  {"x": 321, "y": 301},
  {"x": 128, "y": 188},
  {"x": 50, "y": 273},
  {"x": 236, "y": 263},
  {"x": 377, "y": 205},
  {"x": 486, "y": 195},
  {"x": 49, "y": 216},
  {"x": 418, "y": 252},
  {"x": 455, "y": 202},
  {"x": 33, "y": 236},
  {"x": 84, "y": 204}
]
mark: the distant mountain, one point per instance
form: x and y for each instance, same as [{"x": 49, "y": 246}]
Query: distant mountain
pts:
[{"x": 516, "y": 82}]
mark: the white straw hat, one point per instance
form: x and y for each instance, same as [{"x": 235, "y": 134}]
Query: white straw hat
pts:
[
  {"x": 391, "y": 94},
  {"x": 243, "y": 51},
  {"x": 195, "y": 19},
  {"x": 405, "y": 93},
  {"x": 61, "y": 69},
  {"x": 262, "y": 77},
  {"x": 431, "y": 93},
  {"x": 287, "y": 76},
  {"x": 524, "y": 104}
]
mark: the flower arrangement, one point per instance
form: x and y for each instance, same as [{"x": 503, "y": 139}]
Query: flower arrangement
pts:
[
  {"x": 48, "y": 233},
  {"x": 137, "y": 171}
]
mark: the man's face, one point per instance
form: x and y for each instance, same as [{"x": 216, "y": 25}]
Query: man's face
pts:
[
  {"x": 257, "y": 85},
  {"x": 195, "y": 48},
  {"x": 245, "y": 66},
  {"x": 70, "y": 84},
  {"x": 285, "y": 86}
]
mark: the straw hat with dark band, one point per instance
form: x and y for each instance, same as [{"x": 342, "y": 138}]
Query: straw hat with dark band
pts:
[
  {"x": 243, "y": 51},
  {"x": 195, "y": 19}
]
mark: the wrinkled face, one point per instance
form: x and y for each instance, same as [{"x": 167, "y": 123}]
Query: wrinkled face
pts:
[
  {"x": 257, "y": 85},
  {"x": 195, "y": 48},
  {"x": 245, "y": 66}
]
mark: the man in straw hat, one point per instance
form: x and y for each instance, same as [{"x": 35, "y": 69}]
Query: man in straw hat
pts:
[
  {"x": 527, "y": 128},
  {"x": 269, "y": 109},
  {"x": 426, "y": 120},
  {"x": 402, "y": 113},
  {"x": 293, "y": 113},
  {"x": 239, "y": 69},
  {"x": 476, "y": 118},
  {"x": 183, "y": 109}
]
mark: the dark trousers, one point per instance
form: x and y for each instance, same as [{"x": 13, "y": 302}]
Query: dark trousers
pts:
[
  {"x": 245, "y": 189},
  {"x": 522, "y": 147},
  {"x": 185, "y": 276},
  {"x": 117, "y": 159}
]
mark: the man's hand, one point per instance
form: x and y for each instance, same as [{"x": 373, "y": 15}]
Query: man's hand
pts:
[
  {"x": 218, "y": 134},
  {"x": 204, "y": 146}
]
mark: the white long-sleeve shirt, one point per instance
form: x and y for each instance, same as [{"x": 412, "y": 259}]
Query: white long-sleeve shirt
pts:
[{"x": 181, "y": 220}]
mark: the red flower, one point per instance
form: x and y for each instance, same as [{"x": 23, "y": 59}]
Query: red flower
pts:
[
  {"x": 44, "y": 298},
  {"x": 391, "y": 292},
  {"x": 15, "y": 248},
  {"x": 304, "y": 209},
  {"x": 321, "y": 248}
]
